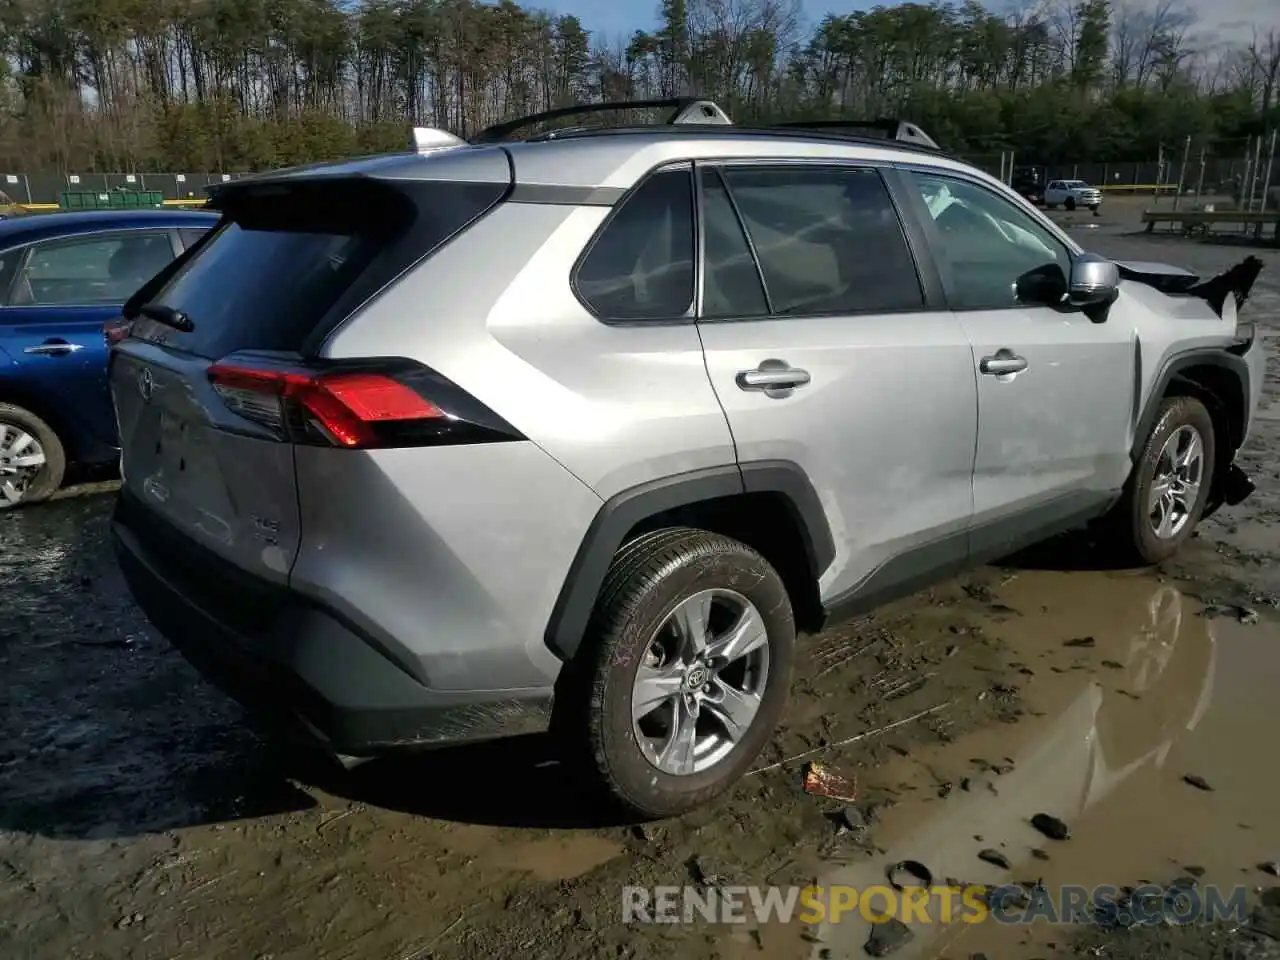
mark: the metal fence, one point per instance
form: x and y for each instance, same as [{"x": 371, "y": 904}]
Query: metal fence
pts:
[
  {"x": 44, "y": 188},
  {"x": 1201, "y": 174},
  {"x": 1246, "y": 178}
]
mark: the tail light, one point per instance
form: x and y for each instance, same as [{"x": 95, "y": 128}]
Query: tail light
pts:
[
  {"x": 401, "y": 405},
  {"x": 116, "y": 330}
]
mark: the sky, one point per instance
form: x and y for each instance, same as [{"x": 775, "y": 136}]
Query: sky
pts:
[{"x": 1219, "y": 20}]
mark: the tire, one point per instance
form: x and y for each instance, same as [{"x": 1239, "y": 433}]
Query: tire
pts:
[
  {"x": 631, "y": 630},
  {"x": 46, "y": 481},
  {"x": 1134, "y": 529},
  {"x": 1069, "y": 203}
]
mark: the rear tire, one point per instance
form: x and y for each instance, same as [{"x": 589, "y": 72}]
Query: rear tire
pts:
[
  {"x": 1159, "y": 510},
  {"x": 706, "y": 716},
  {"x": 24, "y": 437}
]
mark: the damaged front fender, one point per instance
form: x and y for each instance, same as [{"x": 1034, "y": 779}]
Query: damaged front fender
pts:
[{"x": 1237, "y": 281}]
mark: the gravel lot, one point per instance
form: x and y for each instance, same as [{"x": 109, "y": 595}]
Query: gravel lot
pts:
[{"x": 139, "y": 819}]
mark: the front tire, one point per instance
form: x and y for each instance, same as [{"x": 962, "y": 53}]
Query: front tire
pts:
[
  {"x": 32, "y": 461},
  {"x": 1070, "y": 203},
  {"x": 1169, "y": 486},
  {"x": 693, "y": 638}
]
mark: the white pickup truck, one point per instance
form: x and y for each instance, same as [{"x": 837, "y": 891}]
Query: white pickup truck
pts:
[{"x": 1072, "y": 194}]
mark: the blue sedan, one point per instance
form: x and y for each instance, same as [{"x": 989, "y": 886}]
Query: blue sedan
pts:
[{"x": 63, "y": 276}]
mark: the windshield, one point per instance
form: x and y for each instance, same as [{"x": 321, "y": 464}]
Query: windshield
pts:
[{"x": 1076, "y": 183}]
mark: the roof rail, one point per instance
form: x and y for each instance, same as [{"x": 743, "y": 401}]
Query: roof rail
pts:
[
  {"x": 684, "y": 110},
  {"x": 886, "y": 127},
  {"x": 431, "y": 139}
]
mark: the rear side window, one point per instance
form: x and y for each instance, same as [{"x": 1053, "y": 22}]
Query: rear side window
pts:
[
  {"x": 8, "y": 267},
  {"x": 105, "y": 268},
  {"x": 189, "y": 235},
  {"x": 291, "y": 261},
  {"x": 828, "y": 239},
  {"x": 640, "y": 266},
  {"x": 732, "y": 285}
]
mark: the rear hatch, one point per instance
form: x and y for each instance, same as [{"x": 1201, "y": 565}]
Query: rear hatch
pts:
[{"x": 218, "y": 379}]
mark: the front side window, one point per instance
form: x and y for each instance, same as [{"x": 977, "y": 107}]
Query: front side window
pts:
[
  {"x": 640, "y": 267},
  {"x": 989, "y": 243},
  {"x": 101, "y": 269},
  {"x": 828, "y": 239}
]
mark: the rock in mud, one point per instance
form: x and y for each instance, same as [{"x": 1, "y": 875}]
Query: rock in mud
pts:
[
  {"x": 1051, "y": 827},
  {"x": 1084, "y": 642},
  {"x": 994, "y": 857},
  {"x": 851, "y": 818},
  {"x": 1245, "y": 615},
  {"x": 1039, "y": 854},
  {"x": 1197, "y": 781},
  {"x": 1271, "y": 866},
  {"x": 887, "y": 937}
]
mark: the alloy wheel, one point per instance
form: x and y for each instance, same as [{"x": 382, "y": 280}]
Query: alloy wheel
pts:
[
  {"x": 700, "y": 683},
  {"x": 21, "y": 460},
  {"x": 1175, "y": 485}
]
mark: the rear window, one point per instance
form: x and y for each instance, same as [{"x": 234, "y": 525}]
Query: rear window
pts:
[{"x": 289, "y": 263}]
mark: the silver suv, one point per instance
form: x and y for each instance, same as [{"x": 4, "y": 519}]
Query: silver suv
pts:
[{"x": 580, "y": 430}]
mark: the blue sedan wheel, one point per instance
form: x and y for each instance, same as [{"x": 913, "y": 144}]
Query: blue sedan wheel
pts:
[{"x": 32, "y": 461}]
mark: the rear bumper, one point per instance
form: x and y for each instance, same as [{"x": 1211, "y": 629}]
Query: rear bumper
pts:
[{"x": 282, "y": 656}]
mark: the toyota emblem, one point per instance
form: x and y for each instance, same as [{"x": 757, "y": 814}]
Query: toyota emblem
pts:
[{"x": 145, "y": 384}]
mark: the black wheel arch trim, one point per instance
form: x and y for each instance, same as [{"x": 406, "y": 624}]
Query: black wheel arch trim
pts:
[
  {"x": 1198, "y": 357},
  {"x": 623, "y": 511}
]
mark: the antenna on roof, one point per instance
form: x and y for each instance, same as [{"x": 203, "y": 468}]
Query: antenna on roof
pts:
[{"x": 430, "y": 139}]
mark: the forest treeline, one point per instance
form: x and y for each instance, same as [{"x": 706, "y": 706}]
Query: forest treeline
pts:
[{"x": 156, "y": 85}]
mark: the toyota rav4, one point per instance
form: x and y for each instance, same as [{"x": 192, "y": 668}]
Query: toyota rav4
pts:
[{"x": 580, "y": 430}]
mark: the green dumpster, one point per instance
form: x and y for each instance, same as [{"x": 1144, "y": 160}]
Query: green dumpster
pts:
[{"x": 110, "y": 199}]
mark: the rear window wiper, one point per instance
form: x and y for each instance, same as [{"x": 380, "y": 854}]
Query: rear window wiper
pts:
[{"x": 169, "y": 316}]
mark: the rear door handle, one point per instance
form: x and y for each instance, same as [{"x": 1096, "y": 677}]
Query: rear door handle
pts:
[
  {"x": 54, "y": 348},
  {"x": 1003, "y": 362},
  {"x": 774, "y": 377}
]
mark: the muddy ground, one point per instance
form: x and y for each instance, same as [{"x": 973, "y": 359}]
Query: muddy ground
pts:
[{"x": 140, "y": 819}]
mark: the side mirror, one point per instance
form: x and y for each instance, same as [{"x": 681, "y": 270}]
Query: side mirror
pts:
[
  {"x": 1044, "y": 286},
  {"x": 1095, "y": 281}
]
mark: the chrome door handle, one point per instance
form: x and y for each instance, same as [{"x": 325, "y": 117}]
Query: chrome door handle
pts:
[
  {"x": 54, "y": 348},
  {"x": 1004, "y": 362},
  {"x": 774, "y": 377}
]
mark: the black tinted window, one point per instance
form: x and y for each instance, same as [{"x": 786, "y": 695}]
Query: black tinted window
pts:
[
  {"x": 731, "y": 286},
  {"x": 987, "y": 241},
  {"x": 828, "y": 239},
  {"x": 641, "y": 265}
]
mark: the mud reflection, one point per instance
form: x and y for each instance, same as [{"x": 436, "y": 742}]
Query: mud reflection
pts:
[
  {"x": 1120, "y": 720},
  {"x": 106, "y": 731}
]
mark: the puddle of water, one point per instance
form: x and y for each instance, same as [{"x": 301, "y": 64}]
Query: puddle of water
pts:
[
  {"x": 562, "y": 858},
  {"x": 552, "y": 858},
  {"x": 1161, "y": 693}
]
